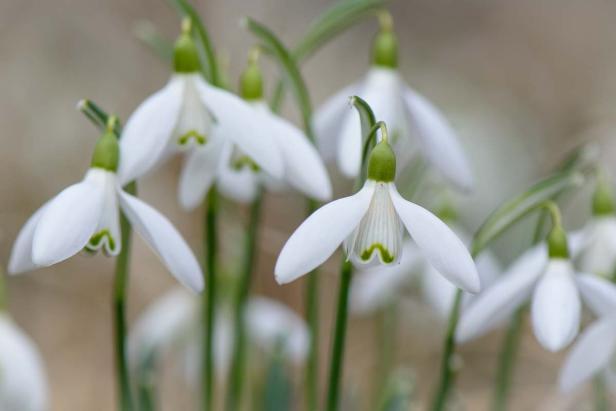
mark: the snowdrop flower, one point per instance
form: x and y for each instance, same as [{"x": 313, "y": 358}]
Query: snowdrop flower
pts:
[
  {"x": 23, "y": 386},
  {"x": 188, "y": 113},
  {"x": 237, "y": 175},
  {"x": 408, "y": 115},
  {"x": 374, "y": 288},
  {"x": 546, "y": 275},
  {"x": 86, "y": 216},
  {"x": 370, "y": 223},
  {"x": 173, "y": 322}
]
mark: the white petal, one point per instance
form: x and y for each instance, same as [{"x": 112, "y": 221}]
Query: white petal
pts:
[
  {"x": 21, "y": 254},
  {"x": 375, "y": 287},
  {"x": 269, "y": 322},
  {"x": 23, "y": 386},
  {"x": 160, "y": 234},
  {"x": 148, "y": 131},
  {"x": 591, "y": 353},
  {"x": 437, "y": 291},
  {"x": 327, "y": 119},
  {"x": 598, "y": 293},
  {"x": 441, "y": 246},
  {"x": 240, "y": 185},
  {"x": 316, "y": 239},
  {"x": 163, "y": 323},
  {"x": 556, "y": 306},
  {"x": 438, "y": 140},
  {"x": 498, "y": 302},
  {"x": 107, "y": 235},
  {"x": 198, "y": 173},
  {"x": 598, "y": 254},
  {"x": 304, "y": 169},
  {"x": 239, "y": 122},
  {"x": 350, "y": 145},
  {"x": 69, "y": 220}
]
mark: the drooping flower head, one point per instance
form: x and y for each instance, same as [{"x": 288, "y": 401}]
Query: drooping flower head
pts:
[
  {"x": 237, "y": 174},
  {"x": 86, "y": 216},
  {"x": 371, "y": 223},
  {"x": 412, "y": 120}
]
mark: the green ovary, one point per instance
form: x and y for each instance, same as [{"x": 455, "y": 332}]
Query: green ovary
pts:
[
  {"x": 192, "y": 135},
  {"x": 97, "y": 239},
  {"x": 386, "y": 256}
]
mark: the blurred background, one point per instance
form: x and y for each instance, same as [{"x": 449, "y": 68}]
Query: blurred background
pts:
[{"x": 523, "y": 82}]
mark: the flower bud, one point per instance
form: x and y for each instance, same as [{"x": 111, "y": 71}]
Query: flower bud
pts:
[
  {"x": 106, "y": 152},
  {"x": 382, "y": 163},
  {"x": 185, "y": 54},
  {"x": 385, "y": 45},
  {"x": 557, "y": 243}
]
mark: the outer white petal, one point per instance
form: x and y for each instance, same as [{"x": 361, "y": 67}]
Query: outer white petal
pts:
[
  {"x": 148, "y": 131},
  {"x": 438, "y": 140},
  {"x": 327, "y": 119},
  {"x": 69, "y": 220},
  {"x": 443, "y": 249},
  {"x": 160, "y": 234},
  {"x": 598, "y": 254},
  {"x": 198, "y": 173},
  {"x": 499, "y": 301},
  {"x": 304, "y": 169},
  {"x": 21, "y": 254},
  {"x": 164, "y": 322},
  {"x": 591, "y": 353},
  {"x": 269, "y": 321},
  {"x": 437, "y": 291},
  {"x": 556, "y": 306},
  {"x": 238, "y": 122},
  {"x": 375, "y": 287},
  {"x": 316, "y": 239},
  {"x": 23, "y": 386},
  {"x": 598, "y": 293},
  {"x": 348, "y": 154}
]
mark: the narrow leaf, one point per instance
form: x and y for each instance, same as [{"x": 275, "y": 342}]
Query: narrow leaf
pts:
[{"x": 97, "y": 115}]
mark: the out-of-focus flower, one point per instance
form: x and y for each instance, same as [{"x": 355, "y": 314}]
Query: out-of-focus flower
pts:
[
  {"x": 376, "y": 287},
  {"x": 172, "y": 323},
  {"x": 23, "y": 386},
  {"x": 370, "y": 223},
  {"x": 187, "y": 113},
  {"x": 408, "y": 115},
  {"x": 86, "y": 216},
  {"x": 237, "y": 175},
  {"x": 554, "y": 288}
]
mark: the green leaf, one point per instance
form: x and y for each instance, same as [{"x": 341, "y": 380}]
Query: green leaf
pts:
[
  {"x": 515, "y": 209},
  {"x": 98, "y": 116},
  {"x": 277, "y": 387},
  {"x": 272, "y": 45},
  {"x": 210, "y": 65},
  {"x": 398, "y": 393}
]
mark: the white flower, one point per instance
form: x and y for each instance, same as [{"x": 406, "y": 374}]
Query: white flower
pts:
[
  {"x": 86, "y": 216},
  {"x": 186, "y": 113},
  {"x": 373, "y": 288},
  {"x": 173, "y": 323},
  {"x": 239, "y": 178},
  {"x": 554, "y": 289},
  {"x": 408, "y": 115},
  {"x": 598, "y": 254},
  {"x": 23, "y": 386},
  {"x": 370, "y": 223}
]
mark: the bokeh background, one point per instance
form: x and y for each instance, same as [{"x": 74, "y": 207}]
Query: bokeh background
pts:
[{"x": 522, "y": 81}]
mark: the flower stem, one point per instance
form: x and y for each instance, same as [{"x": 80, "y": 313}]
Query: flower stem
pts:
[
  {"x": 209, "y": 298},
  {"x": 312, "y": 317},
  {"x": 335, "y": 372},
  {"x": 506, "y": 362},
  {"x": 237, "y": 375},
  {"x": 601, "y": 402},
  {"x": 447, "y": 369},
  {"x": 120, "y": 288}
]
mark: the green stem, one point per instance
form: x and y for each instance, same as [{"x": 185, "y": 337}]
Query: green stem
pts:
[
  {"x": 337, "y": 359},
  {"x": 386, "y": 347},
  {"x": 236, "y": 376},
  {"x": 312, "y": 317},
  {"x": 447, "y": 370},
  {"x": 506, "y": 362},
  {"x": 600, "y": 394},
  {"x": 209, "y": 298},
  {"x": 120, "y": 288},
  {"x": 146, "y": 385}
]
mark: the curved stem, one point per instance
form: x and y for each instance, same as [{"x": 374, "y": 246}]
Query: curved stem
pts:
[
  {"x": 335, "y": 372},
  {"x": 312, "y": 317},
  {"x": 209, "y": 298},
  {"x": 120, "y": 288},
  {"x": 236, "y": 376}
]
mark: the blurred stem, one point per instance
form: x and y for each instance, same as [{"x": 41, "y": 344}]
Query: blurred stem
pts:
[
  {"x": 601, "y": 402},
  {"x": 447, "y": 370},
  {"x": 146, "y": 387},
  {"x": 209, "y": 297},
  {"x": 236, "y": 377},
  {"x": 120, "y": 288},
  {"x": 386, "y": 324},
  {"x": 3, "y": 292},
  {"x": 337, "y": 359},
  {"x": 312, "y": 317}
]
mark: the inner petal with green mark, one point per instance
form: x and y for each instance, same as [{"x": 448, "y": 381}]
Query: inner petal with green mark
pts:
[
  {"x": 378, "y": 238},
  {"x": 107, "y": 235},
  {"x": 195, "y": 121},
  {"x": 239, "y": 161}
]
